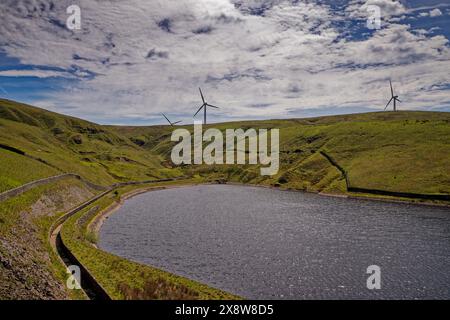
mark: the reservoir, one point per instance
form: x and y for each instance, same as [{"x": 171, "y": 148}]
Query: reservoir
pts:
[{"x": 264, "y": 243}]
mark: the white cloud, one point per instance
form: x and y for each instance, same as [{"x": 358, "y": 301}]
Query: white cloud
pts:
[
  {"x": 389, "y": 8},
  {"x": 435, "y": 13},
  {"x": 34, "y": 73},
  {"x": 142, "y": 57}
]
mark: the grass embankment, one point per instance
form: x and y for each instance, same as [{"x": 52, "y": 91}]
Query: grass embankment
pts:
[
  {"x": 124, "y": 279},
  {"x": 16, "y": 170}
]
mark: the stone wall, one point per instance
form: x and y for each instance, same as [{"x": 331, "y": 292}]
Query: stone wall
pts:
[{"x": 19, "y": 190}]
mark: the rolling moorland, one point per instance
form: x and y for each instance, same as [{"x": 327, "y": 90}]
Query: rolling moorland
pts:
[{"x": 395, "y": 156}]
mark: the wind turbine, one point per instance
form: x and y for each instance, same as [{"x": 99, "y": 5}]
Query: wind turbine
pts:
[
  {"x": 4, "y": 91},
  {"x": 171, "y": 123},
  {"x": 204, "y": 106},
  {"x": 393, "y": 98}
]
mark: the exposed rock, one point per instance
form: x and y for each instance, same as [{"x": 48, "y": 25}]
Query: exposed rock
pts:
[
  {"x": 25, "y": 266},
  {"x": 77, "y": 139}
]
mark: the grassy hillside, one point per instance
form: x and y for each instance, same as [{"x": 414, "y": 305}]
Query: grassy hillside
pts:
[
  {"x": 400, "y": 152},
  {"x": 53, "y": 143}
]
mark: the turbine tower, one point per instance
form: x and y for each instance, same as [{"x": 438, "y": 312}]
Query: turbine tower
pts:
[
  {"x": 204, "y": 106},
  {"x": 393, "y": 98},
  {"x": 171, "y": 123}
]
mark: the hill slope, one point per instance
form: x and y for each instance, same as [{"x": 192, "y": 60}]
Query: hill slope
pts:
[
  {"x": 399, "y": 152},
  {"x": 36, "y": 143}
]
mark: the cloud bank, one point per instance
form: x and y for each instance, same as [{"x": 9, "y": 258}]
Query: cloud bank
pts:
[{"x": 255, "y": 59}]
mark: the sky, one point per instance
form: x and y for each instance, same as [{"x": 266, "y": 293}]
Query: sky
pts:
[{"x": 256, "y": 59}]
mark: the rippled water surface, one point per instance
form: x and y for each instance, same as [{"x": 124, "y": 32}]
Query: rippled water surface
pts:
[{"x": 263, "y": 243}]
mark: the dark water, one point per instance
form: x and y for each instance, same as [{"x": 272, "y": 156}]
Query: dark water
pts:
[{"x": 263, "y": 244}]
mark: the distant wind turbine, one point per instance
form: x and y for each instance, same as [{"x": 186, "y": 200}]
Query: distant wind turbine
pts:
[
  {"x": 393, "y": 98},
  {"x": 171, "y": 123},
  {"x": 4, "y": 91},
  {"x": 204, "y": 106}
]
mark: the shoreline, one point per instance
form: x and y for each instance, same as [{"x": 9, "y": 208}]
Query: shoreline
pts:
[
  {"x": 96, "y": 224},
  {"x": 101, "y": 217},
  {"x": 344, "y": 196},
  {"x": 127, "y": 271}
]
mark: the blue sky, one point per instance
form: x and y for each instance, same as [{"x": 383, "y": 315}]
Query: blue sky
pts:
[{"x": 256, "y": 59}]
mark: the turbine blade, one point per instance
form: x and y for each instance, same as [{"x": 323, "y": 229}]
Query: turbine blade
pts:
[
  {"x": 201, "y": 93},
  {"x": 199, "y": 110},
  {"x": 166, "y": 118},
  {"x": 177, "y": 122},
  {"x": 210, "y": 105},
  {"x": 388, "y": 103},
  {"x": 398, "y": 100},
  {"x": 392, "y": 89}
]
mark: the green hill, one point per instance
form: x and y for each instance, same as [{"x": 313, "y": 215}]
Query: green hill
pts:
[
  {"x": 404, "y": 152},
  {"x": 54, "y": 143},
  {"x": 399, "y": 152}
]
